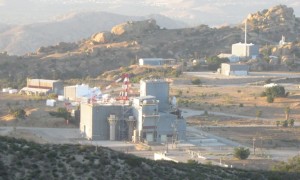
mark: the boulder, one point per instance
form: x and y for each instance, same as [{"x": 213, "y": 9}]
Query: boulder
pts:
[
  {"x": 136, "y": 27},
  {"x": 103, "y": 37}
]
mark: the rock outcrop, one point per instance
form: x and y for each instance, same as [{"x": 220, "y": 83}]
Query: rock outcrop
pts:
[
  {"x": 275, "y": 22},
  {"x": 137, "y": 27},
  {"x": 102, "y": 37}
]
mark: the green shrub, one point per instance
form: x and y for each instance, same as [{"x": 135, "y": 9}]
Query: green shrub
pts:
[
  {"x": 241, "y": 153},
  {"x": 196, "y": 81},
  {"x": 18, "y": 113}
]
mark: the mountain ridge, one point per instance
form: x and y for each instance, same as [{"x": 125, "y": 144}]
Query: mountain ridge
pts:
[{"x": 23, "y": 39}]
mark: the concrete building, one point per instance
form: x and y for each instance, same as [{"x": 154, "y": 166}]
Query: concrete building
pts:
[
  {"x": 245, "y": 50},
  {"x": 43, "y": 87},
  {"x": 103, "y": 121},
  {"x": 157, "y": 88},
  {"x": 75, "y": 93},
  {"x": 156, "y": 61},
  {"x": 144, "y": 121},
  {"x": 234, "y": 69},
  {"x": 155, "y": 126}
]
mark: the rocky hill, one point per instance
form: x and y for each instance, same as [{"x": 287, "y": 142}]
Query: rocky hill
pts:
[
  {"x": 72, "y": 27},
  {"x": 275, "y": 22},
  {"x": 26, "y": 160},
  {"x": 130, "y": 40}
]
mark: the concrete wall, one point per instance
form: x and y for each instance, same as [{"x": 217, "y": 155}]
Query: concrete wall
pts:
[
  {"x": 70, "y": 92},
  {"x": 159, "y": 89},
  {"x": 95, "y": 118},
  {"x": 86, "y": 120},
  {"x": 58, "y": 88},
  {"x": 242, "y": 50}
]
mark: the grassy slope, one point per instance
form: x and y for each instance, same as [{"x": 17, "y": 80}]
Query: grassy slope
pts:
[{"x": 20, "y": 159}]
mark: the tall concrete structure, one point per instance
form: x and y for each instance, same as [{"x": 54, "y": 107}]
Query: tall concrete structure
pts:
[
  {"x": 155, "y": 126},
  {"x": 157, "y": 88},
  {"x": 112, "y": 120},
  {"x": 145, "y": 110},
  {"x": 130, "y": 122},
  {"x": 94, "y": 121}
]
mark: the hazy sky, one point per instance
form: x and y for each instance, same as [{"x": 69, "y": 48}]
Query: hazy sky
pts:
[{"x": 212, "y": 12}]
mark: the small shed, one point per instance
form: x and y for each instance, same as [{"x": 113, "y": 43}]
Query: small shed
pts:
[{"x": 234, "y": 69}]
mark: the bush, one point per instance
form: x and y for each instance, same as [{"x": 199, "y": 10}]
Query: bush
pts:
[
  {"x": 18, "y": 113},
  {"x": 293, "y": 165},
  {"x": 276, "y": 91},
  {"x": 61, "y": 112},
  {"x": 196, "y": 81},
  {"x": 241, "y": 153},
  {"x": 192, "y": 162}
]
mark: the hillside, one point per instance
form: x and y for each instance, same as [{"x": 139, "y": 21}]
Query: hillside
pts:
[
  {"x": 27, "y": 160},
  {"x": 72, "y": 27},
  {"x": 130, "y": 40}
]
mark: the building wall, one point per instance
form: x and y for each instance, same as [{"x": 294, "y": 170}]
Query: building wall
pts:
[
  {"x": 58, "y": 88},
  {"x": 245, "y": 50},
  {"x": 86, "y": 120},
  {"x": 150, "y": 61},
  {"x": 234, "y": 70},
  {"x": 95, "y": 119},
  {"x": 70, "y": 92},
  {"x": 239, "y": 73},
  {"x": 168, "y": 125},
  {"x": 158, "y": 89}
]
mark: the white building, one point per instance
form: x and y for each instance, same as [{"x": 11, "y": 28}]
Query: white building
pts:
[
  {"x": 156, "y": 61},
  {"x": 77, "y": 92},
  {"x": 234, "y": 69},
  {"x": 245, "y": 50}
]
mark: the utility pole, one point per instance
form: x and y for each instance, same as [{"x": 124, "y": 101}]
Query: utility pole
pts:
[{"x": 253, "y": 141}]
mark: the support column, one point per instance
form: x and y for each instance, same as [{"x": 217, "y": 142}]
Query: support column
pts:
[
  {"x": 130, "y": 121},
  {"x": 112, "y": 120}
]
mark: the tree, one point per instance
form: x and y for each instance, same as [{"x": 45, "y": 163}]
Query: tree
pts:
[
  {"x": 276, "y": 91},
  {"x": 241, "y": 153},
  {"x": 277, "y": 123},
  {"x": 214, "y": 62},
  {"x": 293, "y": 165},
  {"x": 291, "y": 122},
  {"x": 284, "y": 123}
]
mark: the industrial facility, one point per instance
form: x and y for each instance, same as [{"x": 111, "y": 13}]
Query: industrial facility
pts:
[
  {"x": 148, "y": 118},
  {"x": 43, "y": 87}
]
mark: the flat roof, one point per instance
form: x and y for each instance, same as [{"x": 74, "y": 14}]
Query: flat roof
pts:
[
  {"x": 35, "y": 90},
  {"x": 45, "y": 80}
]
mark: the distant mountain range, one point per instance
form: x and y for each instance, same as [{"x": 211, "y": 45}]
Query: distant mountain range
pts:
[{"x": 23, "y": 39}]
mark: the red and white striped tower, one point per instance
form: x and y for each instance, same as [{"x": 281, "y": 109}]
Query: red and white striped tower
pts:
[{"x": 125, "y": 88}]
